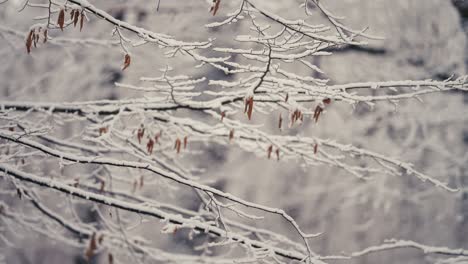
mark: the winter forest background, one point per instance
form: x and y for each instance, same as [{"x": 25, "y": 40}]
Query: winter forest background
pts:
[{"x": 423, "y": 39}]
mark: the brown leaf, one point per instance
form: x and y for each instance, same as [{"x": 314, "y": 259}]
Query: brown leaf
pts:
[
  {"x": 231, "y": 134},
  {"x": 36, "y": 39},
  {"x": 315, "y": 148},
  {"x": 75, "y": 18},
  {"x": 277, "y": 154},
  {"x": 134, "y": 186},
  {"x": 216, "y": 6},
  {"x": 286, "y": 98},
  {"x": 110, "y": 258},
  {"x": 45, "y": 35},
  {"x": 249, "y": 107},
  {"x": 296, "y": 115},
  {"x": 103, "y": 185},
  {"x": 317, "y": 112},
  {"x": 91, "y": 247},
  {"x": 82, "y": 20},
  {"x": 29, "y": 41},
  {"x": 126, "y": 62},
  {"x": 149, "y": 146},
  {"x": 102, "y": 130},
  {"x": 140, "y": 133},
  {"x": 61, "y": 19},
  {"x": 185, "y": 142},
  {"x": 72, "y": 15},
  {"x": 156, "y": 137},
  {"x": 269, "y": 150},
  {"x": 280, "y": 122},
  {"x": 177, "y": 145},
  {"x": 223, "y": 114},
  {"x": 246, "y": 105},
  {"x": 326, "y": 101}
]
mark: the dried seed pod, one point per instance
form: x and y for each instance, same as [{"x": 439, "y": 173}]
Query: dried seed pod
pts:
[
  {"x": 315, "y": 148},
  {"x": 326, "y": 101},
  {"x": 277, "y": 154},
  {"x": 185, "y": 142}
]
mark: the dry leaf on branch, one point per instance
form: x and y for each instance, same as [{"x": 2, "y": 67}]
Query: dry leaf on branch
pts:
[
  {"x": 127, "y": 60},
  {"x": 91, "y": 247},
  {"x": 249, "y": 106},
  {"x": 269, "y": 150},
  {"x": 29, "y": 41},
  {"x": 82, "y": 20},
  {"x": 317, "y": 112},
  {"x": 149, "y": 146},
  {"x": 215, "y": 6},
  {"x": 280, "y": 121},
  {"x": 61, "y": 19},
  {"x": 140, "y": 133},
  {"x": 177, "y": 145}
]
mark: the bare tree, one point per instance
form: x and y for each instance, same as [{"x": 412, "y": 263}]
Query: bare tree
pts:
[{"x": 131, "y": 160}]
